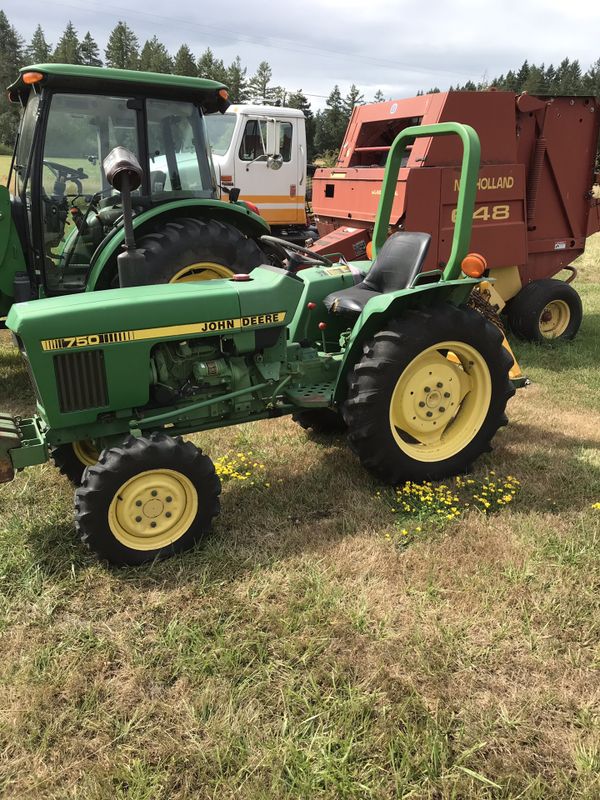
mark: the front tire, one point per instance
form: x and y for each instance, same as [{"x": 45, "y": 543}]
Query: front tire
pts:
[
  {"x": 545, "y": 310},
  {"x": 72, "y": 459},
  {"x": 147, "y": 499},
  {"x": 428, "y": 394}
]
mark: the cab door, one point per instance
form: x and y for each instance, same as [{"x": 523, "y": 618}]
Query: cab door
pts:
[{"x": 272, "y": 187}]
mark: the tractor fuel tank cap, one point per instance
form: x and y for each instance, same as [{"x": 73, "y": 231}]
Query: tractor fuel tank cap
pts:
[{"x": 241, "y": 276}]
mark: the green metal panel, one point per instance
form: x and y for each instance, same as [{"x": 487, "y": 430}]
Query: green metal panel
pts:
[
  {"x": 12, "y": 258},
  {"x": 235, "y": 214},
  {"x": 391, "y": 306},
  {"x": 466, "y": 193}
]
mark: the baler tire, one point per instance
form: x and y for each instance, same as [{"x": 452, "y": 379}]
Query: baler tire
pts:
[
  {"x": 320, "y": 420},
  {"x": 549, "y": 296},
  {"x": 147, "y": 499},
  {"x": 69, "y": 463},
  {"x": 188, "y": 249},
  {"x": 387, "y": 391}
]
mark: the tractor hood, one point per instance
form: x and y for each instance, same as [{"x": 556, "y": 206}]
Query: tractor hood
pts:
[{"x": 112, "y": 333}]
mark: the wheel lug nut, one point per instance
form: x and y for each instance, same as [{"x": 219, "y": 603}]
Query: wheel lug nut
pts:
[
  {"x": 169, "y": 499},
  {"x": 439, "y": 385},
  {"x": 138, "y": 503},
  {"x": 441, "y": 409},
  {"x": 167, "y": 514},
  {"x": 446, "y": 394},
  {"x": 430, "y": 413},
  {"x": 153, "y": 524},
  {"x": 138, "y": 519},
  {"x": 421, "y": 404},
  {"x": 153, "y": 492},
  {"x": 427, "y": 389}
]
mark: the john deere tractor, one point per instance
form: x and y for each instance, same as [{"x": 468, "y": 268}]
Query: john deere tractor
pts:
[
  {"x": 394, "y": 355},
  {"x": 62, "y": 229}
]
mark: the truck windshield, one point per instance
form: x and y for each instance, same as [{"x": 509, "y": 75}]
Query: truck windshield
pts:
[{"x": 220, "y": 129}]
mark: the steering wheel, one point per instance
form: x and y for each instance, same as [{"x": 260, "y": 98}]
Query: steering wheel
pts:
[
  {"x": 64, "y": 173},
  {"x": 312, "y": 258}
]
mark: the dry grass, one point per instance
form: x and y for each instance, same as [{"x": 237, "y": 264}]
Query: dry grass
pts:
[{"x": 301, "y": 654}]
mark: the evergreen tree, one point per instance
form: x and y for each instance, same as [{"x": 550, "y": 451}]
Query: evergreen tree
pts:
[
  {"x": 90, "y": 54},
  {"x": 535, "y": 80},
  {"x": 236, "y": 82},
  {"x": 122, "y": 49},
  {"x": 299, "y": 100},
  {"x": 522, "y": 76},
  {"x": 39, "y": 50},
  {"x": 211, "y": 68},
  {"x": 353, "y": 98},
  {"x": 259, "y": 87},
  {"x": 184, "y": 63},
  {"x": 155, "y": 57},
  {"x": 379, "y": 97},
  {"x": 11, "y": 56},
  {"x": 68, "y": 49},
  {"x": 331, "y": 123},
  {"x": 591, "y": 80}
]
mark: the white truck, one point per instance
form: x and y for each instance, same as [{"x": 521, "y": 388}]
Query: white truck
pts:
[{"x": 261, "y": 150}]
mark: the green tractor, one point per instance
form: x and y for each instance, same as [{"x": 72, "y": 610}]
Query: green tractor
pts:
[
  {"x": 62, "y": 229},
  {"x": 392, "y": 354}
]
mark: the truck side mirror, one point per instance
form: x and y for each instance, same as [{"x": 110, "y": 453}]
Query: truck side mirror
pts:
[
  {"x": 273, "y": 137},
  {"x": 120, "y": 163}
]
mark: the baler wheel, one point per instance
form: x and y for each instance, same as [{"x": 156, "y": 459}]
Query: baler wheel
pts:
[
  {"x": 428, "y": 394},
  {"x": 72, "y": 459},
  {"x": 320, "y": 420},
  {"x": 189, "y": 249},
  {"x": 545, "y": 310},
  {"x": 147, "y": 499}
]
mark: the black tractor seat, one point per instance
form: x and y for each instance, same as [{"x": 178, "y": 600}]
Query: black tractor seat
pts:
[{"x": 397, "y": 265}]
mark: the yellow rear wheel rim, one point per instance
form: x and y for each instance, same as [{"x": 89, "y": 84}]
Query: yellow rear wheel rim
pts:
[
  {"x": 202, "y": 271},
  {"x": 555, "y": 319},
  {"x": 153, "y": 509},
  {"x": 86, "y": 452},
  {"x": 440, "y": 401}
]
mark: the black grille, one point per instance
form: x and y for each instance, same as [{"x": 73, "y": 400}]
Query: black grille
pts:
[{"x": 81, "y": 380}]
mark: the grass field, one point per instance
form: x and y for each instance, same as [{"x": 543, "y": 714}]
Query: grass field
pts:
[{"x": 308, "y": 649}]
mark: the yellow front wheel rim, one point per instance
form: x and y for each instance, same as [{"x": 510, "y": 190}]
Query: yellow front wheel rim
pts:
[
  {"x": 153, "y": 509},
  {"x": 202, "y": 271},
  {"x": 86, "y": 452},
  {"x": 440, "y": 401},
  {"x": 555, "y": 319}
]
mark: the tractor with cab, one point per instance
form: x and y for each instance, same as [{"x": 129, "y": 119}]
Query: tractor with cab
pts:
[
  {"x": 62, "y": 228},
  {"x": 400, "y": 358}
]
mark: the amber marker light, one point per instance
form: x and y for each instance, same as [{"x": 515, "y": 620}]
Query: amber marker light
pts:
[
  {"x": 473, "y": 265},
  {"x": 32, "y": 77},
  {"x": 224, "y": 94},
  {"x": 369, "y": 250}
]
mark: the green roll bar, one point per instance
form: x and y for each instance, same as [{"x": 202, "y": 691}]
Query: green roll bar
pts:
[{"x": 469, "y": 174}]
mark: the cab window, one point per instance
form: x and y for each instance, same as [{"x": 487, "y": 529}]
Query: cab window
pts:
[{"x": 254, "y": 141}]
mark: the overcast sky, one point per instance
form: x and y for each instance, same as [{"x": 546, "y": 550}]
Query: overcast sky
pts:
[{"x": 397, "y": 46}]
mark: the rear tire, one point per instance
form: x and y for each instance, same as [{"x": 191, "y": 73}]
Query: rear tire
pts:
[
  {"x": 545, "y": 310},
  {"x": 72, "y": 459},
  {"x": 147, "y": 499},
  {"x": 189, "y": 249},
  {"x": 428, "y": 394}
]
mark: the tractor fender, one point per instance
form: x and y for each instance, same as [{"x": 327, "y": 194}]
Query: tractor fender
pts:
[
  {"x": 236, "y": 215},
  {"x": 12, "y": 258},
  {"x": 390, "y": 306}
]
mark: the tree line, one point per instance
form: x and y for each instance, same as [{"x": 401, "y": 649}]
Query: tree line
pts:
[{"x": 325, "y": 128}]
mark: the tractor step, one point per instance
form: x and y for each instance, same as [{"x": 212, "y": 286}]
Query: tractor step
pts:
[
  {"x": 22, "y": 444},
  {"x": 317, "y": 395}
]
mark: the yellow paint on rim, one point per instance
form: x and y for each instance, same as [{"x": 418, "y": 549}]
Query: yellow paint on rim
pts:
[
  {"x": 554, "y": 319},
  {"x": 86, "y": 452},
  {"x": 202, "y": 271},
  {"x": 440, "y": 401},
  {"x": 153, "y": 509}
]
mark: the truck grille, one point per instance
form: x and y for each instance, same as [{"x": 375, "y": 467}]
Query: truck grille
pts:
[{"x": 81, "y": 380}]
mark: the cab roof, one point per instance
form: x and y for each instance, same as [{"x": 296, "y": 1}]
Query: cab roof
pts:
[{"x": 92, "y": 80}]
